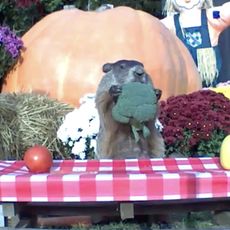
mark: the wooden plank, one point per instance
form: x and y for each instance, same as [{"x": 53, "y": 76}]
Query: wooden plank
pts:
[
  {"x": 127, "y": 211},
  {"x": 70, "y": 209},
  {"x": 9, "y": 209},
  {"x": 140, "y": 208},
  {"x": 46, "y": 221},
  {"x": 194, "y": 205}
]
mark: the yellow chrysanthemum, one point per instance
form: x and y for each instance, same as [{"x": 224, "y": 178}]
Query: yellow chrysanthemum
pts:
[{"x": 223, "y": 89}]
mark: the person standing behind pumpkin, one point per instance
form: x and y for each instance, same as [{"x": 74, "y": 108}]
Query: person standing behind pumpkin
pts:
[{"x": 198, "y": 25}]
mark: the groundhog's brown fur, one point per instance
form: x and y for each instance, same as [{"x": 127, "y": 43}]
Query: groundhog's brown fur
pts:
[{"x": 115, "y": 139}]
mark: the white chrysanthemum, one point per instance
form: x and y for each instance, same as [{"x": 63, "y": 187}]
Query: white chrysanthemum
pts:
[
  {"x": 74, "y": 134},
  {"x": 94, "y": 125},
  {"x": 70, "y": 143},
  {"x": 71, "y": 116},
  {"x": 79, "y": 124},
  {"x": 87, "y": 97},
  {"x": 68, "y": 130},
  {"x": 79, "y": 148},
  {"x": 93, "y": 144},
  {"x": 62, "y": 134}
]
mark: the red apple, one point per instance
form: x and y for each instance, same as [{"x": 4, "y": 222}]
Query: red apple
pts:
[{"x": 38, "y": 159}]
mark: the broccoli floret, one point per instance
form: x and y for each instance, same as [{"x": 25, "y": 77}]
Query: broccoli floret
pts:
[{"x": 136, "y": 104}]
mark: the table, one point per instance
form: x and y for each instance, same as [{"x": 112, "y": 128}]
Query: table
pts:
[
  {"x": 77, "y": 181},
  {"x": 115, "y": 180}
]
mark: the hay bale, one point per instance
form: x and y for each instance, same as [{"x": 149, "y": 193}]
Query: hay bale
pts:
[
  {"x": 8, "y": 122},
  {"x": 28, "y": 119}
]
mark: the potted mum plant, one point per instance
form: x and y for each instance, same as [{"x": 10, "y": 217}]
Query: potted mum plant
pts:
[
  {"x": 79, "y": 129},
  {"x": 10, "y": 48},
  {"x": 195, "y": 124}
]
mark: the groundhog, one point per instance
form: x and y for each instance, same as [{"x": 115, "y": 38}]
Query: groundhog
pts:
[{"x": 115, "y": 140}]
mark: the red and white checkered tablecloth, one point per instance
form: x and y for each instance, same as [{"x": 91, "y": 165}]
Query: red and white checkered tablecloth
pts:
[{"x": 115, "y": 180}]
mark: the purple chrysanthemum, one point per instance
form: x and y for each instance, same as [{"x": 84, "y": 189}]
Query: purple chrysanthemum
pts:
[
  {"x": 10, "y": 47},
  {"x": 11, "y": 43}
]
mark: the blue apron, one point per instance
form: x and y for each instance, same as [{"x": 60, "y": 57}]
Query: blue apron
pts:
[{"x": 195, "y": 38}]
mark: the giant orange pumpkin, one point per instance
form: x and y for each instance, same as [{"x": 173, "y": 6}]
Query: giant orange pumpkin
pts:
[{"x": 65, "y": 52}]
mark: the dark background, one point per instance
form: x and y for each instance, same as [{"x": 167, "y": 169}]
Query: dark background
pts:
[{"x": 224, "y": 43}]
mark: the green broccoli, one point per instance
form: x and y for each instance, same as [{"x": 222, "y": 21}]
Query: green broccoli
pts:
[{"x": 136, "y": 104}]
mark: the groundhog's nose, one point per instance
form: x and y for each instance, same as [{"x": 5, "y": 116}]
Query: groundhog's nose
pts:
[
  {"x": 140, "y": 75},
  {"x": 139, "y": 70}
]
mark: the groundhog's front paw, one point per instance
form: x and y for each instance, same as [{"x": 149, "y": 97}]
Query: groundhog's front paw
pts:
[
  {"x": 115, "y": 91},
  {"x": 158, "y": 93}
]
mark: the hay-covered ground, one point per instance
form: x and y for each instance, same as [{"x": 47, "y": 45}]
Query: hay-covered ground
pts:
[
  {"x": 189, "y": 221},
  {"x": 197, "y": 220},
  {"x": 204, "y": 220}
]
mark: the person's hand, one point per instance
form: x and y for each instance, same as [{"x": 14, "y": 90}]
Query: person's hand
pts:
[{"x": 219, "y": 17}]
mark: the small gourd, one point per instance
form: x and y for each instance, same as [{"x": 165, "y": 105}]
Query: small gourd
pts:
[{"x": 225, "y": 153}]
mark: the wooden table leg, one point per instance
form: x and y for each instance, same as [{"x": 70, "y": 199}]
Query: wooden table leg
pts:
[{"x": 8, "y": 215}]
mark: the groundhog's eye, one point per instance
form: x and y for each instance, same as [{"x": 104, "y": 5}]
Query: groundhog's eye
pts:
[{"x": 122, "y": 66}]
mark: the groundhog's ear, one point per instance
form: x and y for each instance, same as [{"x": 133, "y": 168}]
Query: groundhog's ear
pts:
[
  {"x": 158, "y": 93},
  {"x": 106, "y": 67}
]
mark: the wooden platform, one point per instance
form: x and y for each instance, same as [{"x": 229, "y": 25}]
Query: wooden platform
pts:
[{"x": 32, "y": 214}]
